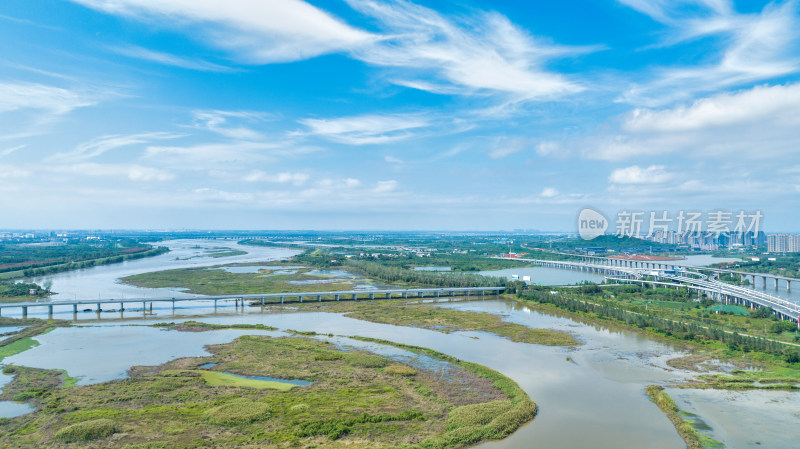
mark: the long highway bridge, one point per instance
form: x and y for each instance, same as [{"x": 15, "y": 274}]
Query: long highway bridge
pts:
[
  {"x": 354, "y": 295},
  {"x": 669, "y": 273}
]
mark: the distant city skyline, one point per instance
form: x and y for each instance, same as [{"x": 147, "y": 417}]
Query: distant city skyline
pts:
[{"x": 394, "y": 115}]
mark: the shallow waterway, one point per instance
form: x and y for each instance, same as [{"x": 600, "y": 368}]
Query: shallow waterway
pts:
[
  {"x": 588, "y": 396},
  {"x": 104, "y": 281},
  {"x": 598, "y": 385}
]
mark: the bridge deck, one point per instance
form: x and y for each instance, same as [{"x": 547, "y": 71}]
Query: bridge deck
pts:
[{"x": 415, "y": 291}]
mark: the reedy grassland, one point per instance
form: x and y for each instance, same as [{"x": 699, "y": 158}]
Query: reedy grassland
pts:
[
  {"x": 217, "y": 281},
  {"x": 400, "y": 312},
  {"x": 356, "y": 400}
]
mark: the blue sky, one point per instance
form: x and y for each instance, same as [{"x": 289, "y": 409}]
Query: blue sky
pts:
[{"x": 371, "y": 114}]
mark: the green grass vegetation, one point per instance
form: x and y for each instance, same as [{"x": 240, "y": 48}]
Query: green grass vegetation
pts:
[
  {"x": 67, "y": 258},
  {"x": 773, "y": 379},
  {"x": 220, "y": 254},
  {"x": 217, "y": 281},
  {"x": 218, "y": 379},
  {"x": 469, "y": 424},
  {"x": 22, "y": 340},
  {"x": 403, "y": 313},
  {"x": 87, "y": 431},
  {"x": 712, "y": 339},
  {"x": 784, "y": 265},
  {"x": 20, "y": 291},
  {"x": 356, "y": 400},
  {"x": 15, "y": 347},
  {"x": 237, "y": 413},
  {"x": 693, "y": 439},
  {"x": 197, "y": 326}
]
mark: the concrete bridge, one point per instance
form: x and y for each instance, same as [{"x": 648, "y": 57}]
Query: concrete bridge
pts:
[
  {"x": 651, "y": 272},
  {"x": 354, "y": 295},
  {"x": 675, "y": 264},
  {"x": 722, "y": 292}
]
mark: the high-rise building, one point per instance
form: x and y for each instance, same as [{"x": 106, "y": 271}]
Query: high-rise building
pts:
[{"x": 783, "y": 243}]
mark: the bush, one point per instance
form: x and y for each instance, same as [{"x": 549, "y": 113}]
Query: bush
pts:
[
  {"x": 401, "y": 370},
  {"x": 328, "y": 356},
  {"x": 477, "y": 414},
  {"x": 365, "y": 360},
  {"x": 87, "y": 430},
  {"x": 238, "y": 412}
]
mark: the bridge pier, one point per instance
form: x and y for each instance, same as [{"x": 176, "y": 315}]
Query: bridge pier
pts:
[
  {"x": 98, "y": 308},
  {"x": 50, "y": 311},
  {"x": 24, "y": 312},
  {"x": 776, "y": 283},
  {"x": 336, "y": 297},
  {"x": 372, "y": 296},
  {"x": 281, "y": 299},
  {"x": 262, "y": 300},
  {"x": 765, "y": 281},
  {"x": 319, "y": 298}
]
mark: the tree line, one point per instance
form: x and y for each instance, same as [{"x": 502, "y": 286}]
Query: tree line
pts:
[{"x": 681, "y": 330}]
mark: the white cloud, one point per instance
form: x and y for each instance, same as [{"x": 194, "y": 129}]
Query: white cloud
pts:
[
  {"x": 549, "y": 192},
  {"x": 218, "y": 122},
  {"x": 393, "y": 160},
  {"x": 347, "y": 183},
  {"x": 485, "y": 53},
  {"x": 758, "y": 123},
  {"x": 11, "y": 172},
  {"x": 297, "y": 179},
  {"x": 366, "y": 129},
  {"x": 482, "y": 54},
  {"x": 634, "y": 174},
  {"x": 22, "y": 95},
  {"x": 755, "y": 47},
  {"x": 385, "y": 186},
  {"x": 145, "y": 54},
  {"x": 10, "y": 150},
  {"x": 775, "y": 104},
  {"x": 238, "y": 154},
  {"x": 131, "y": 171},
  {"x": 101, "y": 145},
  {"x": 506, "y": 147},
  {"x": 257, "y": 31}
]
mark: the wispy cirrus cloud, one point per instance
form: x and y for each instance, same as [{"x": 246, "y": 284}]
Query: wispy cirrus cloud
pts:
[
  {"x": 750, "y": 48},
  {"x": 101, "y": 145},
  {"x": 56, "y": 100},
  {"x": 754, "y": 124},
  {"x": 220, "y": 122},
  {"x": 654, "y": 174},
  {"x": 258, "y": 32},
  {"x": 366, "y": 129},
  {"x": 136, "y": 52},
  {"x": 296, "y": 179},
  {"x": 133, "y": 172},
  {"x": 478, "y": 55},
  {"x": 482, "y": 54}
]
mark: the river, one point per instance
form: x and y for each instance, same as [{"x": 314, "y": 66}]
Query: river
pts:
[{"x": 591, "y": 395}]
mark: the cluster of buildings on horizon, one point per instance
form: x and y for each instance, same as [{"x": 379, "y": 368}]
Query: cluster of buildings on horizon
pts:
[{"x": 775, "y": 243}]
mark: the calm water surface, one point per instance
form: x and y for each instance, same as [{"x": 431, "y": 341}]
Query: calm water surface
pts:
[
  {"x": 599, "y": 384},
  {"x": 590, "y": 396}
]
